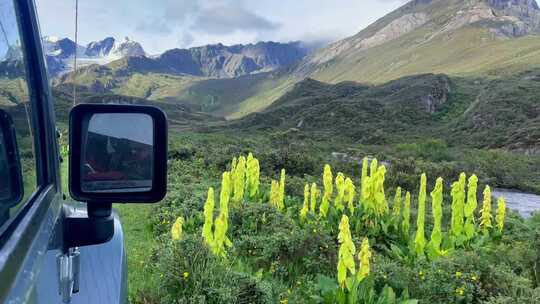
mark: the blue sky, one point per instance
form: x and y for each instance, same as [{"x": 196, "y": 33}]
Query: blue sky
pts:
[{"x": 163, "y": 24}]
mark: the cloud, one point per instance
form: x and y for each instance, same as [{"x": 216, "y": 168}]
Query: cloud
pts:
[
  {"x": 163, "y": 24},
  {"x": 186, "y": 39},
  {"x": 154, "y": 26},
  {"x": 178, "y": 11},
  {"x": 224, "y": 20}
]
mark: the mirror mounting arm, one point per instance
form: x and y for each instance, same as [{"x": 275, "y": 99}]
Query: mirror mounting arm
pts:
[{"x": 97, "y": 228}]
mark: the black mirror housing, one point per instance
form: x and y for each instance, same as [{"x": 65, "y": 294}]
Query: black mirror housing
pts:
[
  {"x": 11, "y": 181},
  {"x": 118, "y": 153}
]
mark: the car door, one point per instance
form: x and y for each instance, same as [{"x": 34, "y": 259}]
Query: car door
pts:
[
  {"x": 35, "y": 265},
  {"x": 28, "y": 223}
]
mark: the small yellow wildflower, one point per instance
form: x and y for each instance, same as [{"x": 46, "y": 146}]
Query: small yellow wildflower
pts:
[
  {"x": 422, "y": 275},
  {"x": 460, "y": 291},
  {"x": 458, "y": 274},
  {"x": 176, "y": 229},
  {"x": 186, "y": 275},
  {"x": 474, "y": 278}
]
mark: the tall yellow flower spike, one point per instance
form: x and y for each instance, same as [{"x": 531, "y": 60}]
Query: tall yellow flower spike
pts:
[
  {"x": 340, "y": 189},
  {"x": 485, "y": 213},
  {"x": 364, "y": 182},
  {"x": 282, "y": 190},
  {"x": 501, "y": 213},
  {"x": 458, "y": 206},
  {"x": 253, "y": 175},
  {"x": 406, "y": 224},
  {"x": 207, "y": 231},
  {"x": 470, "y": 207},
  {"x": 220, "y": 236},
  {"x": 350, "y": 192},
  {"x": 176, "y": 229},
  {"x": 364, "y": 256},
  {"x": 274, "y": 194},
  {"x": 328, "y": 190},
  {"x": 313, "y": 198},
  {"x": 374, "y": 166},
  {"x": 420, "y": 240},
  {"x": 371, "y": 188},
  {"x": 225, "y": 194},
  {"x": 346, "y": 252},
  {"x": 436, "y": 209},
  {"x": 232, "y": 173},
  {"x": 305, "y": 208},
  {"x": 221, "y": 225},
  {"x": 396, "y": 208},
  {"x": 378, "y": 191},
  {"x": 239, "y": 179}
]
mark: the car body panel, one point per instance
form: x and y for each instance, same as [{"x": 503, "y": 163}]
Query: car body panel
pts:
[{"x": 103, "y": 275}]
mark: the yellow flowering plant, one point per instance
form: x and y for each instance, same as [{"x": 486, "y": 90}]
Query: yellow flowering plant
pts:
[
  {"x": 396, "y": 207},
  {"x": 328, "y": 191},
  {"x": 470, "y": 207},
  {"x": 378, "y": 191},
  {"x": 314, "y": 194},
  {"x": 282, "y": 189},
  {"x": 239, "y": 179},
  {"x": 176, "y": 229},
  {"x": 458, "y": 209},
  {"x": 252, "y": 175},
  {"x": 232, "y": 173},
  {"x": 350, "y": 192},
  {"x": 305, "y": 207},
  {"x": 406, "y": 223},
  {"x": 500, "y": 214},
  {"x": 419, "y": 240},
  {"x": 340, "y": 191},
  {"x": 364, "y": 257},
  {"x": 274, "y": 194},
  {"x": 221, "y": 224},
  {"x": 207, "y": 231},
  {"x": 346, "y": 252},
  {"x": 434, "y": 246},
  {"x": 364, "y": 181},
  {"x": 485, "y": 213},
  {"x": 217, "y": 239}
]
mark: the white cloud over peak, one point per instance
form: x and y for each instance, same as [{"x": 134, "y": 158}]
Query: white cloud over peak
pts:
[{"x": 163, "y": 24}]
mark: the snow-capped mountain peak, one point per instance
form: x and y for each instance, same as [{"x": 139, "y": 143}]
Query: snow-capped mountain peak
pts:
[
  {"x": 100, "y": 48},
  {"x": 62, "y": 50},
  {"x": 51, "y": 39},
  {"x": 127, "y": 47}
]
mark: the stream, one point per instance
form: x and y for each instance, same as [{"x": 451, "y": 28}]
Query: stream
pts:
[{"x": 524, "y": 203}]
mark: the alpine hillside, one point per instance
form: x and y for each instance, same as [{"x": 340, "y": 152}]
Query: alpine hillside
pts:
[{"x": 461, "y": 37}]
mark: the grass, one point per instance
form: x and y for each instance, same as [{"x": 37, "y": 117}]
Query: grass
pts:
[{"x": 138, "y": 240}]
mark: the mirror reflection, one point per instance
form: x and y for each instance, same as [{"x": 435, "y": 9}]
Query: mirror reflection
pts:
[
  {"x": 117, "y": 153},
  {"x": 5, "y": 185}
]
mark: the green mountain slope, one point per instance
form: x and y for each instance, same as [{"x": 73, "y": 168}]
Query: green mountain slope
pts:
[
  {"x": 459, "y": 38},
  {"x": 475, "y": 112},
  {"x": 456, "y": 37}
]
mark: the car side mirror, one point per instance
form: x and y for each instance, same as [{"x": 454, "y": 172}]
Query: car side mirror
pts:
[
  {"x": 118, "y": 153},
  {"x": 11, "y": 182}
]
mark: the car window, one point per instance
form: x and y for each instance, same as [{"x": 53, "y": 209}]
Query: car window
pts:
[{"x": 14, "y": 102}]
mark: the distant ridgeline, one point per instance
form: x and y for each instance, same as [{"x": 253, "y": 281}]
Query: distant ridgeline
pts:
[{"x": 464, "y": 70}]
